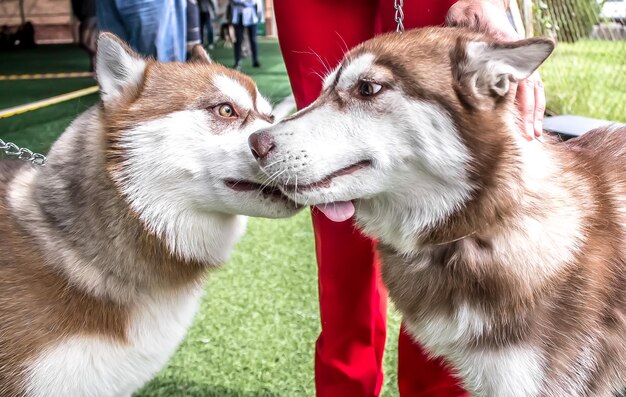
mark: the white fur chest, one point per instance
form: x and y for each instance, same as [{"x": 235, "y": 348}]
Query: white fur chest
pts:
[
  {"x": 514, "y": 371},
  {"x": 84, "y": 366}
]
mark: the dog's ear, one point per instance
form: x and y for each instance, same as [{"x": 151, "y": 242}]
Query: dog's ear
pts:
[
  {"x": 199, "y": 55},
  {"x": 487, "y": 69},
  {"x": 118, "y": 68}
]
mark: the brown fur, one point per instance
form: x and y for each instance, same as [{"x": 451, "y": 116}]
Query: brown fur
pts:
[
  {"x": 585, "y": 300},
  {"x": 73, "y": 255},
  {"x": 576, "y": 316},
  {"x": 508, "y": 260},
  {"x": 38, "y": 305}
]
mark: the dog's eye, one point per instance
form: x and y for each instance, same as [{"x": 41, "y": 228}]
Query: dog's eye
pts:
[
  {"x": 225, "y": 110},
  {"x": 367, "y": 89}
]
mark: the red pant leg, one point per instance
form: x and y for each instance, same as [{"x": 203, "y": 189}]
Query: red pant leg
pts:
[
  {"x": 418, "y": 375},
  {"x": 349, "y": 351},
  {"x": 314, "y": 34}
]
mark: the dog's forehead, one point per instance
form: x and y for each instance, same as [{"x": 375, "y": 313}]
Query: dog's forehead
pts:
[
  {"x": 262, "y": 104},
  {"x": 350, "y": 71},
  {"x": 238, "y": 90},
  {"x": 242, "y": 91}
]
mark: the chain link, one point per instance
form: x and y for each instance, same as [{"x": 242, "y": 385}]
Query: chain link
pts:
[
  {"x": 399, "y": 16},
  {"x": 12, "y": 150}
]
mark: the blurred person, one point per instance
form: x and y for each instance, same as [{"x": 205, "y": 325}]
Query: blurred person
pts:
[
  {"x": 207, "y": 14},
  {"x": 246, "y": 14},
  {"x": 156, "y": 28},
  {"x": 193, "y": 24},
  {"x": 5, "y": 38},
  {"x": 227, "y": 31},
  {"x": 25, "y": 35},
  {"x": 85, "y": 12},
  {"x": 313, "y": 36}
]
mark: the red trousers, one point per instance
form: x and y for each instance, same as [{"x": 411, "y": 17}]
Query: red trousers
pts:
[{"x": 313, "y": 35}]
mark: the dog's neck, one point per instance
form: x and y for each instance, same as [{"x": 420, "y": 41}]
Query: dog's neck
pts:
[
  {"x": 93, "y": 237},
  {"x": 526, "y": 210}
]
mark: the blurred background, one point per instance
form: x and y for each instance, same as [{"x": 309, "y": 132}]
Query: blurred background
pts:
[
  {"x": 587, "y": 74},
  {"x": 56, "y": 23}
]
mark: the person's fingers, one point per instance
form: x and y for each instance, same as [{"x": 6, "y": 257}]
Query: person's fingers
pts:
[
  {"x": 482, "y": 16},
  {"x": 465, "y": 14},
  {"x": 540, "y": 106},
  {"x": 525, "y": 101}
]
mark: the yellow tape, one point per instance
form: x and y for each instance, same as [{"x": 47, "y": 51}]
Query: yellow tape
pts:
[
  {"x": 41, "y": 76},
  {"x": 47, "y": 102}
]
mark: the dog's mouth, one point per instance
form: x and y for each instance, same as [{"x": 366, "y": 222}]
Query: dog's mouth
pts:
[
  {"x": 326, "y": 181},
  {"x": 247, "y": 186},
  {"x": 337, "y": 211}
]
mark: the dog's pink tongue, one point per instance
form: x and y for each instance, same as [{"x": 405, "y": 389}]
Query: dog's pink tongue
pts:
[{"x": 338, "y": 211}]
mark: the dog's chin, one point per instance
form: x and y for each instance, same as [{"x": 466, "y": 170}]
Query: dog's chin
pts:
[
  {"x": 338, "y": 201},
  {"x": 258, "y": 200},
  {"x": 269, "y": 210},
  {"x": 319, "y": 196}
]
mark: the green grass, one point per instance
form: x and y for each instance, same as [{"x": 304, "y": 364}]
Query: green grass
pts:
[
  {"x": 38, "y": 129},
  {"x": 35, "y": 90},
  {"x": 45, "y": 59},
  {"x": 587, "y": 78},
  {"x": 256, "y": 329}
]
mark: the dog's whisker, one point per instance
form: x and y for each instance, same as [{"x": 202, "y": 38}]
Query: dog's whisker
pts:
[
  {"x": 324, "y": 64},
  {"x": 295, "y": 189},
  {"x": 280, "y": 160},
  {"x": 270, "y": 181},
  {"x": 317, "y": 74},
  {"x": 266, "y": 183},
  {"x": 237, "y": 182},
  {"x": 345, "y": 45}
]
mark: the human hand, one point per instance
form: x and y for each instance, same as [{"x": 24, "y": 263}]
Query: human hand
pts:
[{"x": 489, "y": 16}]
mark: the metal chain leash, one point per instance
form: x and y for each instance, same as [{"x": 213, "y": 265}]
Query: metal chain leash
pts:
[
  {"x": 12, "y": 150},
  {"x": 399, "y": 16}
]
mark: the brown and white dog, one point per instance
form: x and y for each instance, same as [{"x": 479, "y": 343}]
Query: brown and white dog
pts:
[
  {"x": 505, "y": 256},
  {"x": 104, "y": 250}
]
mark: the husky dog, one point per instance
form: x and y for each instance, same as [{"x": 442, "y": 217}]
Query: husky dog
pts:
[
  {"x": 104, "y": 250},
  {"x": 505, "y": 256}
]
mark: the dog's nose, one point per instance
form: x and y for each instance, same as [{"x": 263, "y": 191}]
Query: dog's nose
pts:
[{"x": 261, "y": 143}]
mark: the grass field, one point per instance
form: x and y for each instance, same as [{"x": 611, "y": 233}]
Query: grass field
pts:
[
  {"x": 587, "y": 78},
  {"x": 255, "y": 331}
]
